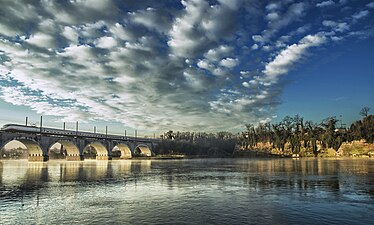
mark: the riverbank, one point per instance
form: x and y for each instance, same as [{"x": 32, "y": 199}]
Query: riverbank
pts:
[
  {"x": 173, "y": 156},
  {"x": 347, "y": 149}
]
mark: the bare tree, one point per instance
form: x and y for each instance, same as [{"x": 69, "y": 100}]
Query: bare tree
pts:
[{"x": 365, "y": 111}]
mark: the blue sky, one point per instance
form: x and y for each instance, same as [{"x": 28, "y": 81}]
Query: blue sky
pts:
[{"x": 184, "y": 65}]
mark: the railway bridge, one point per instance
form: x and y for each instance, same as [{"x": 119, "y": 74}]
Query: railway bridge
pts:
[{"x": 76, "y": 145}]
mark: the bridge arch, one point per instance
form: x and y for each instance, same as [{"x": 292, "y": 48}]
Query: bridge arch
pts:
[
  {"x": 34, "y": 151},
  {"x": 123, "y": 149},
  {"x": 67, "y": 148},
  {"x": 99, "y": 149},
  {"x": 143, "y": 150}
]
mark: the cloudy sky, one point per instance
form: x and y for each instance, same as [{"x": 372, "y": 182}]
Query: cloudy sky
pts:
[{"x": 184, "y": 65}]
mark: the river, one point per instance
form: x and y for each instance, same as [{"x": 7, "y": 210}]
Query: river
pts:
[{"x": 189, "y": 191}]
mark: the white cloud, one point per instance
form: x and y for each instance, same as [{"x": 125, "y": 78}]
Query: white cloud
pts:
[
  {"x": 294, "y": 12},
  {"x": 215, "y": 54},
  {"x": 152, "y": 19},
  {"x": 272, "y": 16},
  {"x": 272, "y": 6},
  {"x": 284, "y": 61},
  {"x": 106, "y": 42},
  {"x": 258, "y": 38},
  {"x": 232, "y": 4},
  {"x": 246, "y": 84},
  {"x": 200, "y": 27},
  {"x": 204, "y": 64},
  {"x": 370, "y": 5},
  {"x": 325, "y": 3},
  {"x": 78, "y": 52},
  {"x": 246, "y": 74},
  {"x": 339, "y": 27},
  {"x": 360, "y": 14},
  {"x": 185, "y": 40},
  {"x": 229, "y": 62},
  {"x": 42, "y": 40},
  {"x": 8, "y": 31},
  {"x": 97, "y": 5},
  {"x": 335, "y": 38},
  {"x": 121, "y": 33},
  {"x": 71, "y": 34}
]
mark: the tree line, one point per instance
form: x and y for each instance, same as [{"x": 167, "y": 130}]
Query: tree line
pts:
[
  {"x": 197, "y": 143},
  {"x": 292, "y": 134}
]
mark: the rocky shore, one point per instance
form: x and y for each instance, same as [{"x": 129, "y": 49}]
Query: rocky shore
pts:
[{"x": 347, "y": 149}]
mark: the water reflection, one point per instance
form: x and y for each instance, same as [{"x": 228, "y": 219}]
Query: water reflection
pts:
[
  {"x": 17, "y": 172},
  {"x": 170, "y": 191}
]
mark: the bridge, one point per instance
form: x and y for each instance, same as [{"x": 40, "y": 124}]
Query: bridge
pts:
[{"x": 75, "y": 145}]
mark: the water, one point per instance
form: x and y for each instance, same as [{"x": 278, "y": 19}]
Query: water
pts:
[{"x": 198, "y": 191}]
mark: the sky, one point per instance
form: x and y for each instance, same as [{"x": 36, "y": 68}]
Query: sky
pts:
[{"x": 189, "y": 65}]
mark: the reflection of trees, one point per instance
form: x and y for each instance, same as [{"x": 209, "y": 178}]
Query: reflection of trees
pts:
[{"x": 315, "y": 174}]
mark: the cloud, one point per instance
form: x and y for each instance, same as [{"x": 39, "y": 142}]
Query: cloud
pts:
[
  {"x": 158, "y": 65},
  {"x": 370, "y": 5},
  {"x": 71, "y": 34},
  {"x": 278, "y": 21},
  {"x": 152, "y": 19},
  {"x": 42, "y": 40},
  {"x": 339, "y": 27},
  {"x": 106, "y": 42},
  {"x": 258, "y": 38},
  {"x": 360, "y": 14},
  {"x": 325, "y": 3},
  {"x": 246, "y": 84},
  {"x": 229, "y": 62},
  {"x": 272, "y": 6},
  {"x": 272, "y": 16},
  {"x": 215, "y": 54},
  {"x": 201, "y": 26},
  {"x": 284, "y": 61}
]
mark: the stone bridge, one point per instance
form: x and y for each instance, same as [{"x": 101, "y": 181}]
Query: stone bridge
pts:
[{"x": 77, "y": 147}]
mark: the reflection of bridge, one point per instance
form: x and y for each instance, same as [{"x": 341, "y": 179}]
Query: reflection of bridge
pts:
[
  {"x": 75, "y": 145},
  {"x": 30, "y": 176}
]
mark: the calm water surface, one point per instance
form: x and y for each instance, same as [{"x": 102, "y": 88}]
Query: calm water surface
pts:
[{"x": 199, "y": 191}]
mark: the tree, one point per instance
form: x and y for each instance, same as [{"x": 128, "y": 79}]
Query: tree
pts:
[
  {"x": 169, "y": 135},
  {"x": 365, "y": 111},
  {"x": 330, "y": 137}
]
